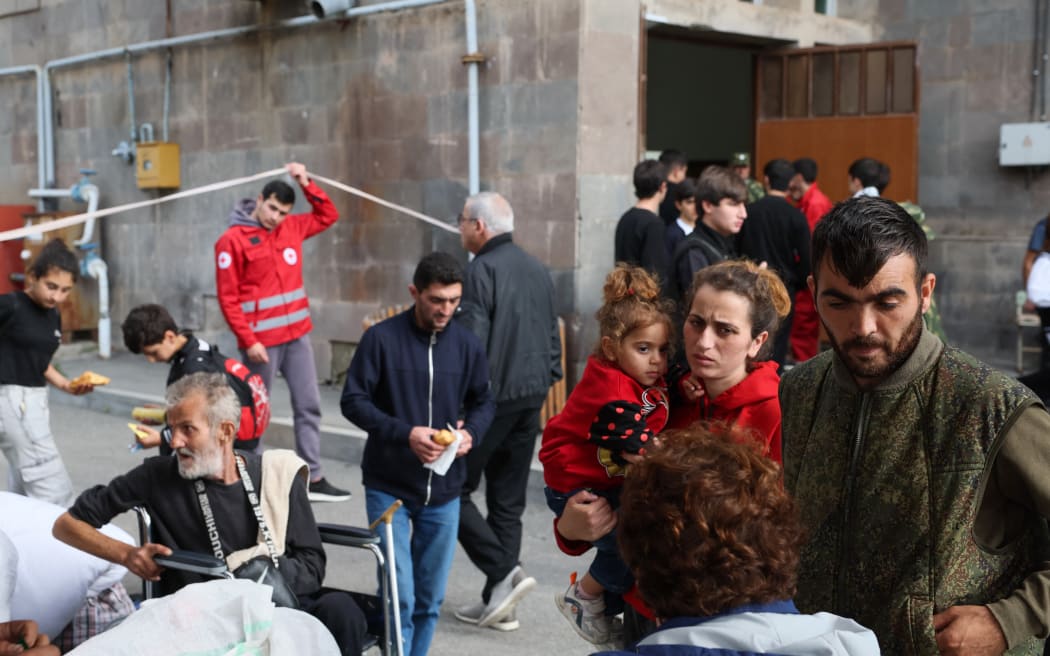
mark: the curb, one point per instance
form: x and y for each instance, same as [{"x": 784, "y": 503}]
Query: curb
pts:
[
  {"x": 341, "y": 443},
  {"x": 345, "y": 444}
]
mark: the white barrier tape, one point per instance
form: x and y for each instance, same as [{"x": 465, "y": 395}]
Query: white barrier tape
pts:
[
  {"x": 385, "y": 203},
  {"x": 77, "y": 219}
]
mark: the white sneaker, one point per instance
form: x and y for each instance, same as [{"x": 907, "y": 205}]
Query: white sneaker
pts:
[
  {"x": 505, "y": 596},
  {"x": 588, "y": 618},
  {"x": 472, "y": 615}
]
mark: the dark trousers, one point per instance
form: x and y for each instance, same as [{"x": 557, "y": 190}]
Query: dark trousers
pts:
[
  {"x": 493, "y": 543},
  {"x": 1044, "y": 320},
  {"x": 1039, "y": 381},
  {"x": 782, "y": 340},
  {"x": 342, "y": 617}
]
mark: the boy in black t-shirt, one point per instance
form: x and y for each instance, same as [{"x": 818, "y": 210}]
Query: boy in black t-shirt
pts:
[
  {"x": 150, "y": 330},
  {"x": 30, "y": 332}
]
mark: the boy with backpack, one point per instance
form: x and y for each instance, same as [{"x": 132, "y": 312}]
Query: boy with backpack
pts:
[{"x": 150, "y": 330}]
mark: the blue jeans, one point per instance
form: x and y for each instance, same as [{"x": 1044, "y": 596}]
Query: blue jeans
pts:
[
  {"x": 424, "y": 543},
  {"x": 607, "y": 568}
]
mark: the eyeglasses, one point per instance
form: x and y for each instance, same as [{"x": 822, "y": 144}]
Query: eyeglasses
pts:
[{"x": 460, "y": 220}]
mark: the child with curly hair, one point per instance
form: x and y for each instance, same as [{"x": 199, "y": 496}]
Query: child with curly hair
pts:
[{"x": 612, "y": 416}]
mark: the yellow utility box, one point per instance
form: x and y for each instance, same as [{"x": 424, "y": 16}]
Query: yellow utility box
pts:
[{"x": 157, "y": 165}]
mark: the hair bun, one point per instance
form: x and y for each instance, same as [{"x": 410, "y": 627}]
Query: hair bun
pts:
[{"x": 626, "y": 281}]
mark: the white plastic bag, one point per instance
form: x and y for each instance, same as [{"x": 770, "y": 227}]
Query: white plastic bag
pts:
[
  {"x": 1038, "y": 287},
  {"x": 8, "y": 575},
  {"x": 217, "y": 618}
]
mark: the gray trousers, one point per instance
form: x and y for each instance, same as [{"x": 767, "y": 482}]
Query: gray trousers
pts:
[
  {"x": 295, "y": 361},
  {"x": 35, "y": 468}
]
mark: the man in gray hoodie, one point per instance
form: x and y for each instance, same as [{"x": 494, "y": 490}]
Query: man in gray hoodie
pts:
[{"x": 259, "y": 279}]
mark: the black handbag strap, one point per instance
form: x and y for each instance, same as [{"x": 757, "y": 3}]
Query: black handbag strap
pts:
[{"x": 253, "y": 499}]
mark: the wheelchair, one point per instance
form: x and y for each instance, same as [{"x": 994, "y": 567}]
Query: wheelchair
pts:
[{"x": 383, "y": 613}]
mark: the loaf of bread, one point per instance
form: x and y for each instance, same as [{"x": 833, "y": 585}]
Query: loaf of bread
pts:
[
  {"x": 89, "y": 378},
  {"x": 144, "y": 414},
  {"x": 443, "y": 437},
  {"x": 138, "y": 431}
]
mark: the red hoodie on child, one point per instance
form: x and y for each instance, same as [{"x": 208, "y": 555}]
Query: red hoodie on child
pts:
[{"x": 572, "y": 453}]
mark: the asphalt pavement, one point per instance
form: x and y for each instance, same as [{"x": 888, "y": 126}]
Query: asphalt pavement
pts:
[{"x": 93, "y": 437}]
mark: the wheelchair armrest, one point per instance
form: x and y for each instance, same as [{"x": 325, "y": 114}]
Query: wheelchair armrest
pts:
[
  {"x": 192, "y": 561},
  {"x": 347, "y": 536}
]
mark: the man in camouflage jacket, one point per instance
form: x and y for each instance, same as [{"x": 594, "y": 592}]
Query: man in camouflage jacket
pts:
[
  {"x": 921, "y": 474},
  {"x": 740, "y": 163}
]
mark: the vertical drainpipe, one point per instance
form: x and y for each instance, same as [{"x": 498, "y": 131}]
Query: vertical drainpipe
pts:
[
  {"x": 133, "y": 128},
  {"x": 49, "y": 139},
  {"x": 41, "y": 164},
  {"x": 41, "y": 143},
  {"x": 473, "y": 130}
]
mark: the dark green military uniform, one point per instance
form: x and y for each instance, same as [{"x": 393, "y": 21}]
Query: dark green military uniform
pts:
[
  {"x": 755, "y": 190},
  {"x": 893, "y": 483},
  {"x": 932, "y": 318}
]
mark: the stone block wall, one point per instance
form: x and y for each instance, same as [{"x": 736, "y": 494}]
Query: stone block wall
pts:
[
  {"x": 608, "y": 151},
  {"x": 975, "y": 67},
  {"x": 379, "y": 102}
]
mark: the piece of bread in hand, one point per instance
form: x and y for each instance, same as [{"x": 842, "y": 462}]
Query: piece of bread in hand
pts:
[
  {"x": 443, "y": 437},
  {"x": 138, "y": 431},
  {"x": 89, "y": 378},
  {"x": 149, "y": 415}
]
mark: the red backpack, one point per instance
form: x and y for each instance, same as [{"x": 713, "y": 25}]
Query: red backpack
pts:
[{"x": 254, "y": 398}]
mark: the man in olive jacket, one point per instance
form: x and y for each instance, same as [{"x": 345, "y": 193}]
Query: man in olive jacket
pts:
[
  {"x": 508, "y": 302},
  {"x": 921, "y": 474}
]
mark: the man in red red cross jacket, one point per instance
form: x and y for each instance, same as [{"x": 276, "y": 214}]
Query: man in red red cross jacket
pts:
[{"x": 259, "y": 278}]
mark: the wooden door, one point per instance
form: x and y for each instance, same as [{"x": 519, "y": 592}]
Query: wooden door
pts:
[{"x": 837, "y": 104}]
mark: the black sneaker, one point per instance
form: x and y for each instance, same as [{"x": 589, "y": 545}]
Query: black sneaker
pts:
[{"x": 322, "y": 490}]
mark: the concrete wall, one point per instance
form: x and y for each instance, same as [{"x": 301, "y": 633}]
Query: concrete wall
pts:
[
  {"x": 608, "y": 149},
  {"x": 378, "y": 102},
  {"x": 790, "y": 21},
  {"x": 975, "y": 62}
]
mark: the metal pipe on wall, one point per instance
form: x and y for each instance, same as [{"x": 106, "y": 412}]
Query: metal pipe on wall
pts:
[
  {"x": 40, "y": 164},
  {"x": 473, "y": 130},
  {"x": 1043, "y": 62},
  {"x": 93, "y": 265},
  {"x": 133, "y": 133},
  {"x": 47, "y": 113},
  {"x": 167, "y": 95},
  {"x": 1036, "y": 42}
]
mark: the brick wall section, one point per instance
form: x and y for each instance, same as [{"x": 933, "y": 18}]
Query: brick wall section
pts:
[{"x": 379, "y": 102}]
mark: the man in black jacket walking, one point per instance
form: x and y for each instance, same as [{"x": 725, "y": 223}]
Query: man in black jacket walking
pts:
[
  {"x": 508, "y": 302},
  {"x": 778, "y": 234}
]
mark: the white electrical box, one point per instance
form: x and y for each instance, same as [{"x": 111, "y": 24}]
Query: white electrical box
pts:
[{"x": 1024, "y": 144}]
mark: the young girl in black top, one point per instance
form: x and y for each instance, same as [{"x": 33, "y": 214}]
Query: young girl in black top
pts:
[{"x": 30, "y": 332}]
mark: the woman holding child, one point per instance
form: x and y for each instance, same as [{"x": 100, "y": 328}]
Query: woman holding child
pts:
[{"x": 733, "y": 312}]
